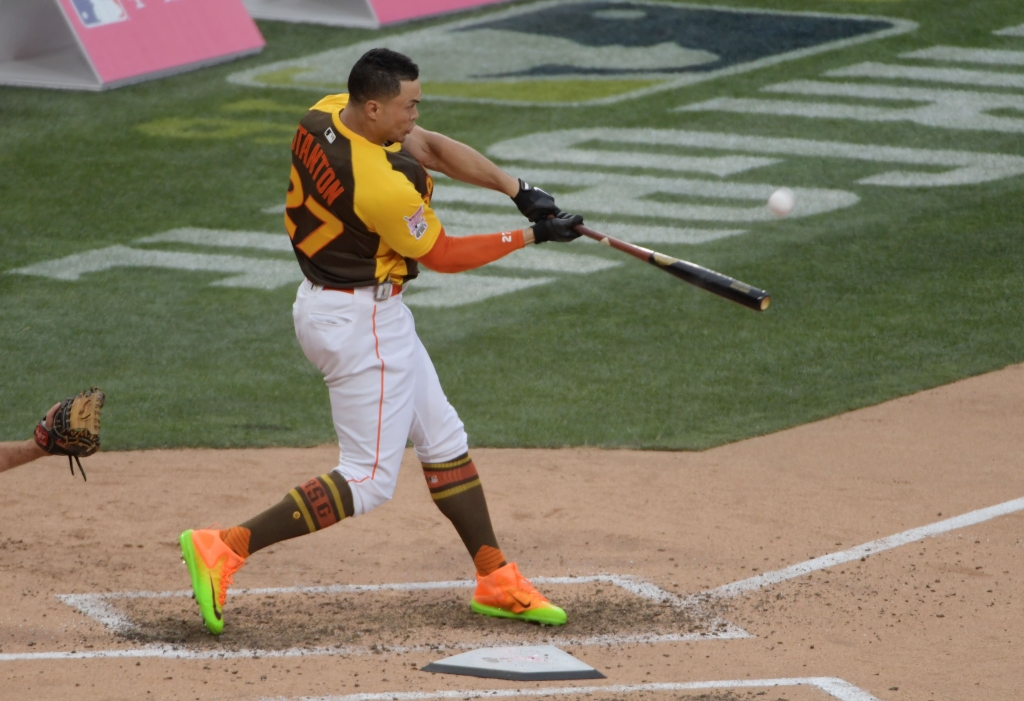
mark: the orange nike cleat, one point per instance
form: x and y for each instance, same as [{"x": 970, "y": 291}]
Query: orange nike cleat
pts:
[
  {"x": 505, "y": 593},
  {"x": 212, "y": 565}
]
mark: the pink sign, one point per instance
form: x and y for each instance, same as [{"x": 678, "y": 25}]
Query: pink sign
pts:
[
  {"x": 357, "y": 13},
  {"x": 389, "y": 11},
  {"x": 128, "y": 39}
]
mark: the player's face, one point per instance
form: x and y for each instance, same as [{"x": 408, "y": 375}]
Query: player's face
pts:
[{"x": 399, "y": 114}]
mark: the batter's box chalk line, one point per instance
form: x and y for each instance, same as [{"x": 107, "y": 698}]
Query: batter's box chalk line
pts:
[
  {"x": 99, "y": 608},
  {"x": 833, "y": 686}
]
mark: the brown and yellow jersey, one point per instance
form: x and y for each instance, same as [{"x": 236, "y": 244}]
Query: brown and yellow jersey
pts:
[{"x": 358, "y": 213}]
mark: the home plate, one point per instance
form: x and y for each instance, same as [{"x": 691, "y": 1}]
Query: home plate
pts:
[{"x": 518, "y": 663}]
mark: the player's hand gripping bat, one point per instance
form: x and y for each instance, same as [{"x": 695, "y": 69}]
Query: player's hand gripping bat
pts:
[{"x": 721, "y": 285}]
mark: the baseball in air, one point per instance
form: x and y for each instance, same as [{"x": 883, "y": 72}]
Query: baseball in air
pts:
[{"x": 781, "y": 202}]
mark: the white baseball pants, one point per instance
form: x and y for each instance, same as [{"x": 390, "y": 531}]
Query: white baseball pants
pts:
[{"x": 383, "y": 387}]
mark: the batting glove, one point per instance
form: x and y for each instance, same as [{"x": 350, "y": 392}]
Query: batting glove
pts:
[
  {"x": 534, "y": 203},
  {"x": 559, "y": 228}
]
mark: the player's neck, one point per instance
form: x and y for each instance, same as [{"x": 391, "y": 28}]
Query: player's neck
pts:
[{"x": 356, "y": 121}]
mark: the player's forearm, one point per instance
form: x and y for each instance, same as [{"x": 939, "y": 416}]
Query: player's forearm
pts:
[
  {"x": 462, "y": 162},
  {"x": 460, "y": 253},
  {"x": 14, "y": 453}
]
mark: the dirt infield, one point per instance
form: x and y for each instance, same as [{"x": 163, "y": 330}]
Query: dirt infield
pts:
[
  {"x": 391, "y": 619},
  {"x": 935, "y": 619}
]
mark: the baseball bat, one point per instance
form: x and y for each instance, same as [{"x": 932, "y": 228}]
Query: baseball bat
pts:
[{"x": 716, "y": 283}]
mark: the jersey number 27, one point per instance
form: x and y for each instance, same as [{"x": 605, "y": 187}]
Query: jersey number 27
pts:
[{"x": 330, "y": 228}]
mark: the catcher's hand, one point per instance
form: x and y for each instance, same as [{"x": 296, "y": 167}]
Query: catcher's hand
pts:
[
  {"x": 75, "y": 428},
  {"x": 535, "y": 204}
]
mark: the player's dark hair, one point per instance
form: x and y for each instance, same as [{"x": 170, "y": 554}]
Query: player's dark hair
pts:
[{"x": 378, "y": 74}]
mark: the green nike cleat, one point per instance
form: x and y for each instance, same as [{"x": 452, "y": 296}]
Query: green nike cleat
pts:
[{"x": 212, "y": 565}]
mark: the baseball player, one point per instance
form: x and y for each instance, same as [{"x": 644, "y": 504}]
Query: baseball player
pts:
[
  {"x": 359, "y": 218},
  {"x": 71, "y": 428}
]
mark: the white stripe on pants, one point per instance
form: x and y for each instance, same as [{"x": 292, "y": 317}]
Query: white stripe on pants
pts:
[{"x": 383, "y": 387}]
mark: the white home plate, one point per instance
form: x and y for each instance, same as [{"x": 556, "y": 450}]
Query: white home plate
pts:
[{"x": 518, "y": 663}]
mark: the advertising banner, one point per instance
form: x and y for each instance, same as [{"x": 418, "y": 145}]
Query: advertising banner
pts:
[{"x": 98, "y": 44}]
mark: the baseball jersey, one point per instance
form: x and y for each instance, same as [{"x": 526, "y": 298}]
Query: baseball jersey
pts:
[{"x": 357, "y": 213}]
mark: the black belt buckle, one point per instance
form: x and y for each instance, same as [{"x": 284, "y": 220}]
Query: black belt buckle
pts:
[{"x": 382, "y": 291}]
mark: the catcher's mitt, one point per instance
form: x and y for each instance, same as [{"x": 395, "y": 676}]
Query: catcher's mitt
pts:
[{"x": 76, "y": 428}]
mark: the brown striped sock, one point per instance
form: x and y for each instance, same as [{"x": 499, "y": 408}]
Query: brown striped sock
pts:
[
  {"x": 237, "y": 538},
  {"x": 488, "y": 559},
  {"x": 313, "y": 506},
  {"x": 456, "y": 489}
]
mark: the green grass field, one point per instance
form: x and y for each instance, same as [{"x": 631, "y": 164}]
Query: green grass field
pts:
[{"x": 908, "y": 289}]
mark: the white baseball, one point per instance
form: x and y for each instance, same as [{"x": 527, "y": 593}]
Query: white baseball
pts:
[{"x": 782, "y": 201}]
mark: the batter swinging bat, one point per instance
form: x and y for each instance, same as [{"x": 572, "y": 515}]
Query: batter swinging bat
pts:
[{"x": 721, "y": 285}]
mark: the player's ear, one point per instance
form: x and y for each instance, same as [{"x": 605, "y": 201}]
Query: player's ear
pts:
[{"x": 372, "y": 109}]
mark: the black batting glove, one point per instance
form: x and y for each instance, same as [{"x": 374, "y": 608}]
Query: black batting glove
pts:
[
  {"x": 559, "y": 228},
  {"x": 534, "y": 203}
]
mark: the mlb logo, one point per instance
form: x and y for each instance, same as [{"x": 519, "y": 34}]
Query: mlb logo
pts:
[
  {"x": 590, "y": 51},
  {"x": 96, "y": 13}
]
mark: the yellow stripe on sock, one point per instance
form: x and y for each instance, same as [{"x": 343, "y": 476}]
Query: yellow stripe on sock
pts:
[
  {"x": 336, "y": 494},
  {"x": 302, "y": 507},
  {"x": 456, "y": 490},
  {"x": 444, "y": 465}
]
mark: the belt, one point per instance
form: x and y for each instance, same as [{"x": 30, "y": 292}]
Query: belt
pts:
[{"x": 381, "y": 291}]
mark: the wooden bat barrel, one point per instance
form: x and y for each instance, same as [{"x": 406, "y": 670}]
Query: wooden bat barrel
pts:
[{"x": 699, "y": 276}]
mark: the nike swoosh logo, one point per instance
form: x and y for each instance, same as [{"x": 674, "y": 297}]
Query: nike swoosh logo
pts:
[{"x": 216, "y": 610}]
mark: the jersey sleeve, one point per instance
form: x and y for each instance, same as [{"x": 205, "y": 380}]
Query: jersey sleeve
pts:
[
  {"x": 456, "y": 254},
  {"x": 402, "y": 219}
]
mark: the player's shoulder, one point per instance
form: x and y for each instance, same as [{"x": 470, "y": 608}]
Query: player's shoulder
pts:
[
  {"x": 406, "y": 166},
  {"x": 331, "y": 104}
]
